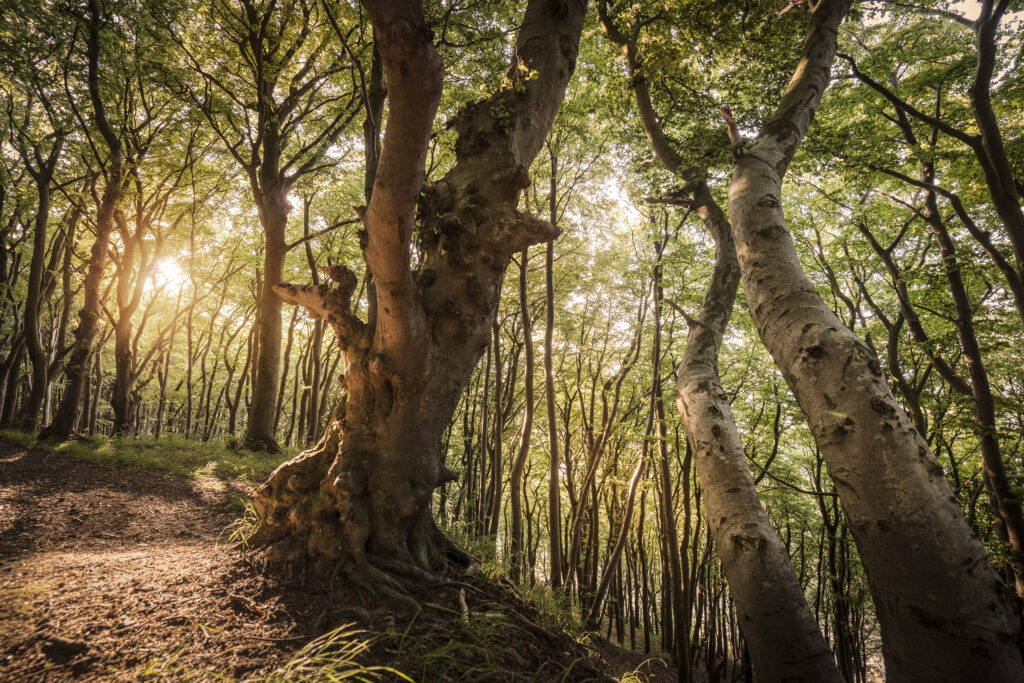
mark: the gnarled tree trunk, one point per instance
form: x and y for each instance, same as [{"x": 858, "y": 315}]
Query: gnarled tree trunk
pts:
[{"x": 362, "y": 494}]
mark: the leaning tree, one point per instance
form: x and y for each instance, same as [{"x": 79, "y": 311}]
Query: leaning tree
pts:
[
  {"x": 943, "y": 612},
  {"x": 362, "y": 495}
]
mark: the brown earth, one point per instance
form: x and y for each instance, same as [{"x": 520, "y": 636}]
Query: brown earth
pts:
[{"x": 124, "y": 575}]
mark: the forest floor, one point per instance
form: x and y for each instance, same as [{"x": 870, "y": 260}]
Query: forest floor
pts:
[{"x": 119, "y": 573}]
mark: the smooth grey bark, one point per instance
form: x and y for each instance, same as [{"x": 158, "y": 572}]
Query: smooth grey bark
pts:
[
  {"x": 781, "y": 633},
  {"x": 943, "y": 611}
]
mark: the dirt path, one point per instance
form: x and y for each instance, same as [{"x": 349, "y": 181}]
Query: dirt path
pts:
[
  {"x": 125, "y": 575},
  {"x": 113, "y": 574}
]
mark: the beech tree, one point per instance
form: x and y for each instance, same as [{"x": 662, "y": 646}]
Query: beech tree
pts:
[
  {"x": 846, "y": 377},
  {"x": 268, "y": 84},
  {"x": 867, "y": 440},
  {"x": 116, "y": 145},
  {"x": 362, "y": 496},
  {"x": 40, "y": 159},
  {"x": 759, "y": 571}
]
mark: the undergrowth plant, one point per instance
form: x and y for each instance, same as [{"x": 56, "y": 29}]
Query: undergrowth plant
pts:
[
  {"x": 456, "y": 651},
  {"x": 552, "y": 605},
  {"x": 332, "y": 657},
  {"x": 242, "y": 528}
]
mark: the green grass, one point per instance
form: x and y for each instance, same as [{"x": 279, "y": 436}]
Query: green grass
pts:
[
  {"x": 211, "y": 463},
  {"x": 333, "y": 656}
]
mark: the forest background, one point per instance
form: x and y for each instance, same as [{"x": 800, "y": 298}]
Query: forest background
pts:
[{"x": 152, "y": 192}]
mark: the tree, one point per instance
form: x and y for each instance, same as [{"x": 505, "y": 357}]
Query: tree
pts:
[
  {"x": 892, "y": 488},
  {"x": 268, "y": 86},
  {"x": 363, "y": 494},
  {"x": 778, "y": 626},
  {"x": 114, "y": 163},
  {"x": 40, "y": 160}
]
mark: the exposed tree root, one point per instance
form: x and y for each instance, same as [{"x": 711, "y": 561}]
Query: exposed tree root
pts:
[
  {"x": 386, "y": 587},
  {"x": 424, "y": 578},
  {"x": 456, "y": 553}
]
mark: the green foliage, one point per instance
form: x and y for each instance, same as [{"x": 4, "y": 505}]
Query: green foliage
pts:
[
  {"x": 242, "y": 528},
  {"x": 482, "y": 649},
  {"x": 333, "y": 656},
  {"x": 594, "y": 180}
]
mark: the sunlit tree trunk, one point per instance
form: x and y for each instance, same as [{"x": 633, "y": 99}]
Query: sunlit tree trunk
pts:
[
  {"x": 273, "y": 209},
  {"x": 362, "y": 494},
  {"x": 77, "y": 364}
]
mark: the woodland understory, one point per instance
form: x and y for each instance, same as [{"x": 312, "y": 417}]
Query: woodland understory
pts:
[{"x": 699, "y": 321}]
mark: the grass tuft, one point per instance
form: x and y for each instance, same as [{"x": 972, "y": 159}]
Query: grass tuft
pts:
[
  {"x": 333, "y": 657},
  {"x": 241, "y": 530}
]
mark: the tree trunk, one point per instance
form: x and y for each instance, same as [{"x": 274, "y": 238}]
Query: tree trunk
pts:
[
  {"x": 497, "y": 460},
  {"x": 121, "y": 389},
  {"x": 97, "y": 390},
  {"x": 554, "y": 469},
  {"x": 260, "y": 434},
  {"x": 77, "y": 364},
  {"x": 681, "y": 644},
  {"x": 615, "y": 554},
  {"x": 88, "y": 323},
  {"x": 43, "y": 176},
  {"x": 1002, "y": 186},
  {"x": 1005, "y": 503},
  {"x": 284, "y": 373},
  {"x": 362, "y": 494},
  {"x": 516, "y": 473},
  {"x": 11, "y": 377},
  {"x": 778, "y": 626},
  {"x": 943, "y": 612}
]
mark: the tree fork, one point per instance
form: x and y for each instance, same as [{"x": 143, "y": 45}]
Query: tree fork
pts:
[{"x": 363, "y": 492}]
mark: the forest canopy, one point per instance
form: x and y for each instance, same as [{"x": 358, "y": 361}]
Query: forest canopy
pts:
[{"x": 701, "y": 318}]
